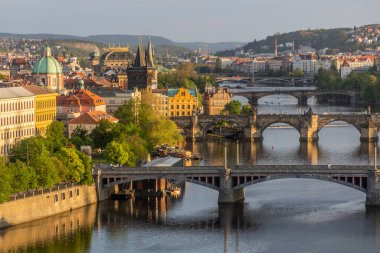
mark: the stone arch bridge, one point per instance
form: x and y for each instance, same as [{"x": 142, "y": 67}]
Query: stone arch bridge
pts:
[
  {"x": 301, "y": 95},
  {"x": 230, "y": 183},
  {"x": 252, "y": 126}
]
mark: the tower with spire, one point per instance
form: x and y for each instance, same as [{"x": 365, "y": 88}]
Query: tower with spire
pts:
[{"x": 143, "y": 72}]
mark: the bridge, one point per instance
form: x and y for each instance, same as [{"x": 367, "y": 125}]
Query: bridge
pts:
[
  {"x": 302, "y": 95},
  {"x": 252, "y": 126},
  {"x": 230, "y": 182},
  {"x": 265, "y": 79}
]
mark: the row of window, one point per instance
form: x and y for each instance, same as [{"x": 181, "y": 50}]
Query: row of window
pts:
[
  {"x": 45, "y": 104},
  {"x": 63, "y": 195},
  {"x": 45, "y": 117},
  {"x": 17, "y": 134},
  {"x": 16, "y": 119},
  {"x": 16, "y": 106},
  {"x": 180, "y": 113},
  {"x": 183, "y": 107}
]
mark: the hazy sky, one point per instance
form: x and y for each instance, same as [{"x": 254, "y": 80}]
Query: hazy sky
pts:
[{"x": 184, "y": 20}]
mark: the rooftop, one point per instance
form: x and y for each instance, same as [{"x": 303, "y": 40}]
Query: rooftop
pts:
[{"x": 14, "y": 92}]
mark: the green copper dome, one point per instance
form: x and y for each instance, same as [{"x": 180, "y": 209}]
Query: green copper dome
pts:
[{"x": 47, "y": 65}]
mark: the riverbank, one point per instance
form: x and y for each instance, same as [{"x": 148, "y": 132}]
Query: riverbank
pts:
[{"x": 47, "y": 204}]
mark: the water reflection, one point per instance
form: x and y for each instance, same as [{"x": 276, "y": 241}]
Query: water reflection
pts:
[{"x": 71, "y": 231}]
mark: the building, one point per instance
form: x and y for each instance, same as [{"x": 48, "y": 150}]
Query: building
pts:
[
  {"x": 182, "y": 102},
  {"x": 215, "y": 99},
  {"x": 17, "y": 116},
  {"x": 160, "y": 102},
  {"x": 307, "y": 63},
  {"x": 143, "y": 73},
  {"x": 114, "y": 58},
  {"x": 345, "y": 70},
  {"x": 89, "y": 120},
  {"x": 115, "y": 97},
  {"x": 44, "y": 106},
  {"x": 48, "y": 71},
  {"x": 77, "y": 103}
]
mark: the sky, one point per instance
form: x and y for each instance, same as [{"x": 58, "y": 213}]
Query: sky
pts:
[{"x": 184, "y": 20}]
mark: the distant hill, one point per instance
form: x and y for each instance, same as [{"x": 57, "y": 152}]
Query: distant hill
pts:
[
  {"x": 336, "y": 39},
  {"x": 130, "y": 40}
]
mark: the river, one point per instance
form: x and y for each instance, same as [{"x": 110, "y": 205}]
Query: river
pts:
[{"x": 287, "y": 215}]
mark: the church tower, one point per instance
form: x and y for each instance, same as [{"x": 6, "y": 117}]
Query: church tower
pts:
[{"x": 143, "y": 73}]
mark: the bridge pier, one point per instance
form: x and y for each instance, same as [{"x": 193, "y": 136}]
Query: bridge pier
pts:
[
  {"x": 227, "y": 194},
  {"x": 302, "y": 101},
  {"x": 369, "y": 134},
  {"x": 373, "y": 189}
]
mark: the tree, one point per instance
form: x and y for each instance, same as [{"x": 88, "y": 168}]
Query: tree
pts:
[
  {"x": 246, "y": 109},
  {"x": 80, "y": 137},
  {"x": 71, "y": 160},
  {"x": 47, "y": 174},
  {"x": 28, "y": 150},
  {"x": 24, "y": 177},
  {"x": 233, "y": 108},
  {"x": 218, "y": 65},
  {"x": 6, "y": 175},
  {"x": 102, "y": 134},
  {"x": 55, "y": 137},
  {"x": 116, "y": 153},
  {"x": 298, "y": 73}
]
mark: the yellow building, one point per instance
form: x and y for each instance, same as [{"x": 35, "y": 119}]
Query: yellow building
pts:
[
  {"x": 182, "y": 102},
  {"x": 45, "y": 107}
]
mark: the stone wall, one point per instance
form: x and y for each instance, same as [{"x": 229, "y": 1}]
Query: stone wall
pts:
[{"x": 45, "y": 205}]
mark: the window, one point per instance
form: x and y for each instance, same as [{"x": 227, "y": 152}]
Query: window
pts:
[
  {"x": 77, "y": 192},
  {"x": 70, "y": 194},
  {"x": 55, "y": 198},
  {"x": 63, "y": 196}
]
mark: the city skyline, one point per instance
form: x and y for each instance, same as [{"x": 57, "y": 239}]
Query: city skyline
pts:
[{"x": 207, "y": 21}]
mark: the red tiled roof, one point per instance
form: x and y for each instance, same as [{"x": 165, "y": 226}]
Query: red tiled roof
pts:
[{"x": 93, "y": 118}]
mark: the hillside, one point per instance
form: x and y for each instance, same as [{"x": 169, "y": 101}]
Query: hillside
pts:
[
  {"x": 336, "y": 39},
  {"x": 131, "y": 40}
]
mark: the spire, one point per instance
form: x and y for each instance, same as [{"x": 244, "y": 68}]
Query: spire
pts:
[
  {"x": 149, "y": 55},
  {"x": 140, "y": 56}
]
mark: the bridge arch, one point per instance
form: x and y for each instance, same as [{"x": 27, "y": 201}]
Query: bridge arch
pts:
[
  {"x": 294, "y": 125},
  {"x": 231, "y": 120},
  {"x": 360, "y": 186},
  {"x": 194, "y": 180},
  {"x": 324, "y": 123}
]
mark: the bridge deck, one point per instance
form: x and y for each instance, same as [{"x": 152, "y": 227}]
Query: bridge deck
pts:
[{"x": 238, "y": 170}]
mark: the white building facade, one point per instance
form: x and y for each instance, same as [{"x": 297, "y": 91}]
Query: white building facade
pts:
[{"x": 17, "y": 117}]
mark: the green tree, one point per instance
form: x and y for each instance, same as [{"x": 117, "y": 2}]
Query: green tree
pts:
[
  {"x": 87, "y": 175},
  {"x": 28, "y": 150},
  {"x": 55, "y": 137},
  {"x": 218, "y": 65},
  {"x": 69, "y": 157},
  {"x": 246, "y": 109},
  {"x": 24, "y": 177},
  {"x": 102, "y": 134},
  {"x": 298, "y": 73},
  {"x": 6, "y": 175},
  {"x": 47, "y": 173},
  {"x": 233, "y": 108},
  {"x": 116, "y": 153},
  {"x": 80, "y": 137}
]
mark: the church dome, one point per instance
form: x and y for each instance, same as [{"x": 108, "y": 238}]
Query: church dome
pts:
[{"x": 47, "y": 64}]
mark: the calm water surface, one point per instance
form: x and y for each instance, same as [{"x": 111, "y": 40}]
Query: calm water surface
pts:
[{"x": 288, "y": 215}]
